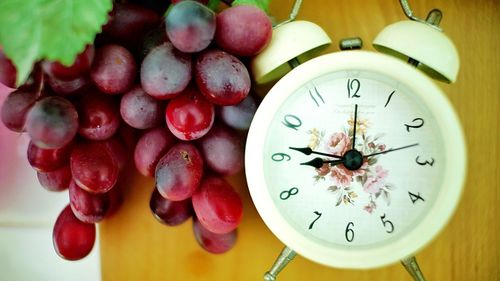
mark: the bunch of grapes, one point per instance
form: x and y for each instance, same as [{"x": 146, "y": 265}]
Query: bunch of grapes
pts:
[{"x": 170, "y": 89}]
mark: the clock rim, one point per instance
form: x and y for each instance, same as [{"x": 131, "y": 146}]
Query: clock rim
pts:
[{"x": 446, "y": 201}]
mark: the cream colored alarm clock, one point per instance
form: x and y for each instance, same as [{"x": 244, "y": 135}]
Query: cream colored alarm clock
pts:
[{"x": 356, "y": 159}]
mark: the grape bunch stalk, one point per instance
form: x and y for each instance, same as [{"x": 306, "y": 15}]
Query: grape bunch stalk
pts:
[{"x": 170, "y": 91}]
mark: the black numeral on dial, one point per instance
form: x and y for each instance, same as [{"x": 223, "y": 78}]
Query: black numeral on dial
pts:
[
  {"x": 353, "y": 88},
  {"x": 415, "y": 197},
  {"x": 284, "y": 195},
  {"x": 349, "y": 232},
  {"x": 292, "y": 121},
  {"x": 425, "y": 162},
  {"x": 316, "y": 96},
  {"x": 416, "y": 123},
  {"x": 318, "y": 215},
  {"x": 278, "y": 157},
  {"x": 389, "y": 226}
]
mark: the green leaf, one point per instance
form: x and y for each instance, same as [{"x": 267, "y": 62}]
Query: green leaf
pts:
[
  {"x": 262, "y": 4},
  {"x": 31, "y": 30},
  {"x": 213, "y": 4}
]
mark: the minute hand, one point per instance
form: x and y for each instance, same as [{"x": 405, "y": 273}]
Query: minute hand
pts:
[
  {"x": 309, "y": 151},
  {"x": 390, "y": 150}
]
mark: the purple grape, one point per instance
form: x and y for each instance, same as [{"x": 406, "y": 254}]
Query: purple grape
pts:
[
  {"x": 152, "y": 145},
  {"x": 113, "y": 70},
  {"x": 140, "y": 110},
  {"x": 47, "y": 159},
  {"x": 214, "y": 243},
  {"x": 8, "y": 71},
  {"x": 88, "y": 207},
  {"x": 239, "y": 116},
  {"x": 71, "y": 87},
  {"x": 99, "y": 116},
  {"x": 222, "y": 150},
  {"x": 15, "y": 108},
  {"x": 170, "y": 212},
  {"x": 52, "y": 122},
  {"x": 179, "y": 172},
  {"x": 243, "y": 30},
  {"x": 80, "y": 66},
  {"x": 190, "y": 26},
  {"x": 165, "y": 72},
  {"x": 222, "y": 78},
  {"x": 57, "y": 180}
]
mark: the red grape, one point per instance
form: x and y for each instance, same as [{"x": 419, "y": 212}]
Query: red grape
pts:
[
  {"x": 214, "y": 243},
  {"x": 16, "y": 107},
  {"x": 190, "y": 26},
  {"x": 93, "y": 167},
  {"x": 129, "y": 23},
  {"x": 217, "y": 205},
  {"x": 179, "y": 172},
  {"x": 52, "y": 122},
  {"x": 170, "y": 212},
  {"x": 8, "y": 71},
  {"x": 150, "y": 148},
  {"x": 222, "y": 150},
  {"x": 239, "y": 116},
  {"x": 98, "y": 115},
  {"x": 189, "y": 116},
  {"x": 70, "y": 87},
  {"x": 116, "y": 147},
  {"x": 87, "y": 207},
  {"x": 57, "y": 180},
  {"x": 140, "y": 110},
  {"x": 73, "y": 239},
  {"x": 113, "y": 69},
  {"x": 165, "y": 72},
  {"x": 47, "y": 159},
  {"x": 80, "y": 66},
  {"x": 243, "y": 30},
  {"x": 222, "y": 78}
]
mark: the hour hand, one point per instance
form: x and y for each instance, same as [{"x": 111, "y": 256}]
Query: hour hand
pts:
[
  {"x": 309, "y": 151},
  {"x": 318, "y": 162}
]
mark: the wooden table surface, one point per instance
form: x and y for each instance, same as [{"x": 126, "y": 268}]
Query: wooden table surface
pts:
[{"x": 136, "y": 247}]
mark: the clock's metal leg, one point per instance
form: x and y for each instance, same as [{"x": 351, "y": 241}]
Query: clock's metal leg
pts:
[
  {"x": 283, "y": 259},
  {"x": 411, "y": 266}
]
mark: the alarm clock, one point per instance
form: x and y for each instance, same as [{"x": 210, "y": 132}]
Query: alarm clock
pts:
[{"x": 356, "y": 159}]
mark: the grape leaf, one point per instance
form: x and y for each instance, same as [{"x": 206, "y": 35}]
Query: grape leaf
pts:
[
  {"x": 213, "y": 4},
  {"x": 262, "y": 4},
  {"x": 32, "y": 30}
]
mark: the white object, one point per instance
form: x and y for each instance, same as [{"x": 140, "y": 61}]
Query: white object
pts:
[{"x": 394, "y": 99}]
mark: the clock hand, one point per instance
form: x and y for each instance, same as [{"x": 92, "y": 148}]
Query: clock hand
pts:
[
  {"x": 309, "y": 151},
  {"x": 354, "y": 130},
  {"x": 390, "y": 150},
  {"x": 318, "y": 162}
]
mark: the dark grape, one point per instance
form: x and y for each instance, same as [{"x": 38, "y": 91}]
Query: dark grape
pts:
[
  {"x": 80, "y": 66},
  {"x": 8, "y": 71},
  {"x": 87, "y": 207},
  {"x": 71, "y": 87},
  {"x": 217, "y": 205},
  {"x": 179, "y": 172},
  {"x": 57, "y": 180},
  {"x": 16, "y": 107},
  {"x": 52, "y": 122},
  {"x": 152, "y": 145},
  {"x": 239, "y": 116},
  {"x": 222, "y": 78},
  {"x": 243, "y": 30},
  {"x": 170, "y": 212},
  {"x": 99, "y": 116},
  {"x": 140, "y": 110},
  {"x": 47, "y": 159},
  {"x": 190, "y": 26},
  {"x": 93, "y": 167},
  {"x": 165, "y": 72},
  {"x": 189, "y": 116},
  {"x": 214, "y": 243},
  {"x": 113, "y": 70},
  {"x": 222, "y": 150},
  {"x": 73, "y": 239}
]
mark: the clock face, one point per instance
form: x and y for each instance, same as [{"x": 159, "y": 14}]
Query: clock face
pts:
[
  {"x": 355, "y": 160},
  {"x": 388, "y": 194}
]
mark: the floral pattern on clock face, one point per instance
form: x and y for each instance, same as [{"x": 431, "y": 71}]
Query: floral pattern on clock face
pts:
[
  {"x": 311, "y": 144},
  {"x": 371, "y": 176}
]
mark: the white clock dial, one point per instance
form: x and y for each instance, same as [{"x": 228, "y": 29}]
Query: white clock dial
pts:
[
  {"x": 384, "y": 197},
  {"x": 375, "y": 197}
]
